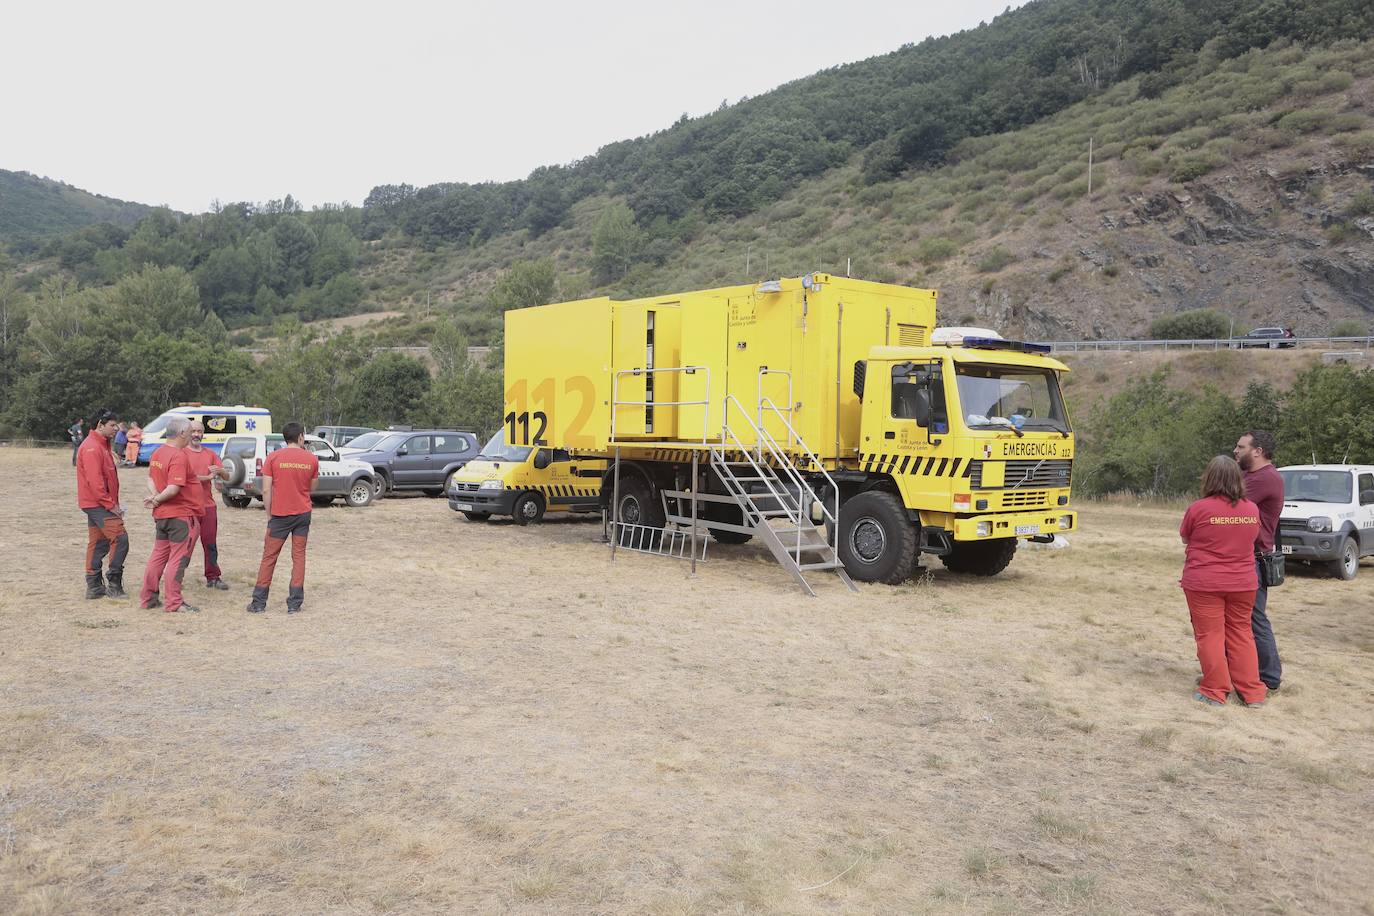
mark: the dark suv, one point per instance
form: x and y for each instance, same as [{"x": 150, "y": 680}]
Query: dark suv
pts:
[
  {"x": 414, "y": 459},
  {"x": 1273, "y": 338}
]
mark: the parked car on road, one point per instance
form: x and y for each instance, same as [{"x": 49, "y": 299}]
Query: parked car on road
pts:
[
  {"x": 340, "y": 477},
  {"x": 1328, "y": 515},
  {"x": 339, "y": 436},
  {"x": 415, "y": 459},
  {"x": 1272, "y": 338}
]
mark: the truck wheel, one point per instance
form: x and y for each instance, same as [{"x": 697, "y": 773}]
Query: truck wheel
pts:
[
  {"x": 637, "y": 507},
  {"x": 980, "y": 558},
  {"x": 730, "y": 537},
  {"x": 360, "y": 493},
  {"x": 477, "y": 516},
  {"x": 529, "y": 507},
  {"x": 877, "y": 541},
  {"x": 1347, "y": 562}
]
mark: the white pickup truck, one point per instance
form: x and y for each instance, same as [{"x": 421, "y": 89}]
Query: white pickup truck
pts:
[{"x": 1328, "y": 515}]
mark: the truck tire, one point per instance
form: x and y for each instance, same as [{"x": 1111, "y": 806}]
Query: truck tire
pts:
[
  {"x": 379, "y": 487},
  {"x": 637, "y": 507},
  {"x": 731, "y": 537},
  {"x": 529, "y": 507},
  {"x": 1347, "y": 563},
  {"x": 980, "y": 558},
  {"x": 877, "y": 541},
  {"x": 360, "y": 493},
  {"x": 731, "y": 515}
]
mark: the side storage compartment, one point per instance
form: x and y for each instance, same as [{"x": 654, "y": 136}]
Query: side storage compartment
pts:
[{"x": 558, "y": 375}]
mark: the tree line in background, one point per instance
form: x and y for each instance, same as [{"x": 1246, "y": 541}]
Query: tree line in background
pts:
[
  {"x": 1153, "y": 438},
  {"x": 147, "y": 343}
]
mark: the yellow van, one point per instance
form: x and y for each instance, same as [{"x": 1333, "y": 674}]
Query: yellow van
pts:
[
  {"x": 220, "y": 423},
  {"x": 524, "y": 482}
]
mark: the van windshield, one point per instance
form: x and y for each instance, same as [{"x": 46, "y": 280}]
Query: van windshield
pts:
[
  {"x": 1316, "y": 486},
  {"x": 496, "y": 449},
  {"x": 156, "y": 427}
]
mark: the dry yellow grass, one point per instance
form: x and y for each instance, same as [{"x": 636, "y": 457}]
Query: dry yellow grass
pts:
[{"x": 487, "y": 718}]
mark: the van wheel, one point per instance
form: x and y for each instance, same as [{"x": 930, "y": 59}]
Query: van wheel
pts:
[
  {"x": 478, "y": 516},
  {"x": 361, "y": 493},
  {"x": 877, "y": 540},
  {"x": 529, "y": 507},
  {"x": 980, "y": 558},
  {"x": 1347, "y": 563}
]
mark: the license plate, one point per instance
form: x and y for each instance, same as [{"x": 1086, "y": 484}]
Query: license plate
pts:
[
  {"x": 1287, "y": 548},
  {"x": 464, "y": 507},
  {"x": 235, "y": 491},
  {"x": 1027, "y": 529}
]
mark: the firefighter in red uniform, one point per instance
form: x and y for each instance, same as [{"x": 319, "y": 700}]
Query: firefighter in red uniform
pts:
[
  {"x": 174, "y": 497},
  {"x": 97, "y": 493},
  {"x": 205, "y": 467},
  {"x": 289, "y": 476}
]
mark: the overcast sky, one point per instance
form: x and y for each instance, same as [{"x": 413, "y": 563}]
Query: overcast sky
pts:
[{"x": 182, "y": 103}]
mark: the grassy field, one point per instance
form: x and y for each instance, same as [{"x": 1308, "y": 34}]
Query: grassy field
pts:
[{"x": 486, "y": 718}]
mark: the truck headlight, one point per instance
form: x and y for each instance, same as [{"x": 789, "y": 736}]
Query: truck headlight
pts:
[
  {"x": 1065, "y": 522},
  {"x": 984, "y": 529},
  {"x": 1319, "y": 523},
  {"x": 490, "y": 485}
]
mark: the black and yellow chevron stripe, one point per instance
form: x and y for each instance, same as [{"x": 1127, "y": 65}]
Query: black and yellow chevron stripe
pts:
[
  {"x": 916, "y": 466},
  {"x": 553, "y": 491}
]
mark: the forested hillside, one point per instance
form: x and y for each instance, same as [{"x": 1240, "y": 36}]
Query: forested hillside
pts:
[
  {"x": 32, "y": 207},
  {"x": 1233, "y": 168}
]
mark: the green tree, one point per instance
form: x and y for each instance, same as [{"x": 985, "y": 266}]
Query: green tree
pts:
[
  {"x": 615, "y": 243},
  {"x": 527, "y": 283},
  {"x": 390, "y": 388}
]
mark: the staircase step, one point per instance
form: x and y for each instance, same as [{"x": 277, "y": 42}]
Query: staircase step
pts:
[{"x": 825, "y": 564}]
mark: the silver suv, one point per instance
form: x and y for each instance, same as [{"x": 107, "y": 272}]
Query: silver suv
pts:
[{"x": 353, "y": 480}]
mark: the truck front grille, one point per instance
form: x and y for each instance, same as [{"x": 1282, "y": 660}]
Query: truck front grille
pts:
[
  {"x": 1028, "y": 473},
  {"x": 1025, "y": 499}
]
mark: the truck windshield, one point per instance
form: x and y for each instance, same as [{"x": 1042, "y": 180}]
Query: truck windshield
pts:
[
  {"x": 496, "y": 449},
  {"x": 1316, "y": 486},
  {"x": 993, "y": 396}
]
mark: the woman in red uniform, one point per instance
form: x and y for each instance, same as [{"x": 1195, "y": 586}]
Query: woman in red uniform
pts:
[{"x": 1218, "y": 533}]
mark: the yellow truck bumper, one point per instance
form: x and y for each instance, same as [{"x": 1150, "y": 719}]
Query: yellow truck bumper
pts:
[{"x": 1016, "y": 524}]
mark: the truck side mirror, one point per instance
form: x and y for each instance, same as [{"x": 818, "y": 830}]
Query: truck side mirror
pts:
[
  {"x": 542, "y": 459},
  {"x": 921, "y": 406}
]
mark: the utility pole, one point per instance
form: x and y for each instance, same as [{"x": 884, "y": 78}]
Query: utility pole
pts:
[{"x": 1090, "y": 166}]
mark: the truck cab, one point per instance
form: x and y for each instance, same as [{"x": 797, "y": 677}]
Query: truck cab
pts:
[
  {"x": 1328, "y": 515},
  {"x": 524, "y": 482},
  {"x": 974, "y": 440}
]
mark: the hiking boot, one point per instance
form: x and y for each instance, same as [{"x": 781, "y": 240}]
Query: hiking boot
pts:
[
  {"x": 293, "y": 610},
  {"x": 95, "y": 586},
  {"x": 1254, "y": 705},
  {"x": 114, "y": 586},
  {"x": 189, "y": 608},
  {"x": 257, "y": 607},
  {"x": 216, "y": 584},
  {"x": 1206, "y": 700}
]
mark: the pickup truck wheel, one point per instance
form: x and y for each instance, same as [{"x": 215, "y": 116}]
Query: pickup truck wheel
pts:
[
  {"x": 360, "y": 493},
  {"x": 529, "y": 507},
  {"x": 877, "y": 541},
  {"x": 379, "y": 486},
  {"x": 1347, "y": 563},
  {"x": 980, "y": 558},
  {"x": 237, "y": 502},
  {"x": 478, "y": 516}
]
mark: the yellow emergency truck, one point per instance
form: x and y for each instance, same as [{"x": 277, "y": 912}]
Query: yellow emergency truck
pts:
[
  {"x": 814, "y": 413},
  {"x": 524, "y": 482}
]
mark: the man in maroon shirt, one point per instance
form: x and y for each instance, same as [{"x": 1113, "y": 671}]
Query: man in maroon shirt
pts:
[{"x": 1264, "y": 487}]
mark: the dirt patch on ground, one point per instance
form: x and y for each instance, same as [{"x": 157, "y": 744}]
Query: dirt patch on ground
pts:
[{"x": 488, "y": 718}]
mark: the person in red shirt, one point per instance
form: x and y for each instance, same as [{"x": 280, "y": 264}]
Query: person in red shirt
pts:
[
  {"x": 1218, "y": 579},
  {"x": 97, "y": 495},
  {"x": 174, "y": 497},
  {"x": 289, "y": 476},
  {"x": 206, "y": 467},
  {"x": 1264, "y": 487}
]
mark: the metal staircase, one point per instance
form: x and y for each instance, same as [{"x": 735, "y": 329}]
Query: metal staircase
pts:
[{"x": 773, "y": 495}]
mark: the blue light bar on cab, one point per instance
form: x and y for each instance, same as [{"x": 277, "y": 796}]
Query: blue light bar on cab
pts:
[{"x": 997, "y": 343}]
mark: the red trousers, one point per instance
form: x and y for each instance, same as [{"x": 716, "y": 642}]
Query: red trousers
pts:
[
  {"x": 209, "y": 530},
  {"x": 176, "y": 539},
  {"x": 1225, "y": 644}
]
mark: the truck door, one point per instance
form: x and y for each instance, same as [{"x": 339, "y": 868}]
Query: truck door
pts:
[
  {"x": 909, "y": 421},
  {"x": 1364, "y": 495},
  {"x": 760, "y": 338}
]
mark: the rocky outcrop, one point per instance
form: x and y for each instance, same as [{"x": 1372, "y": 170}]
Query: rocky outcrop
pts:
[{"x": 1352, "y": 278}]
